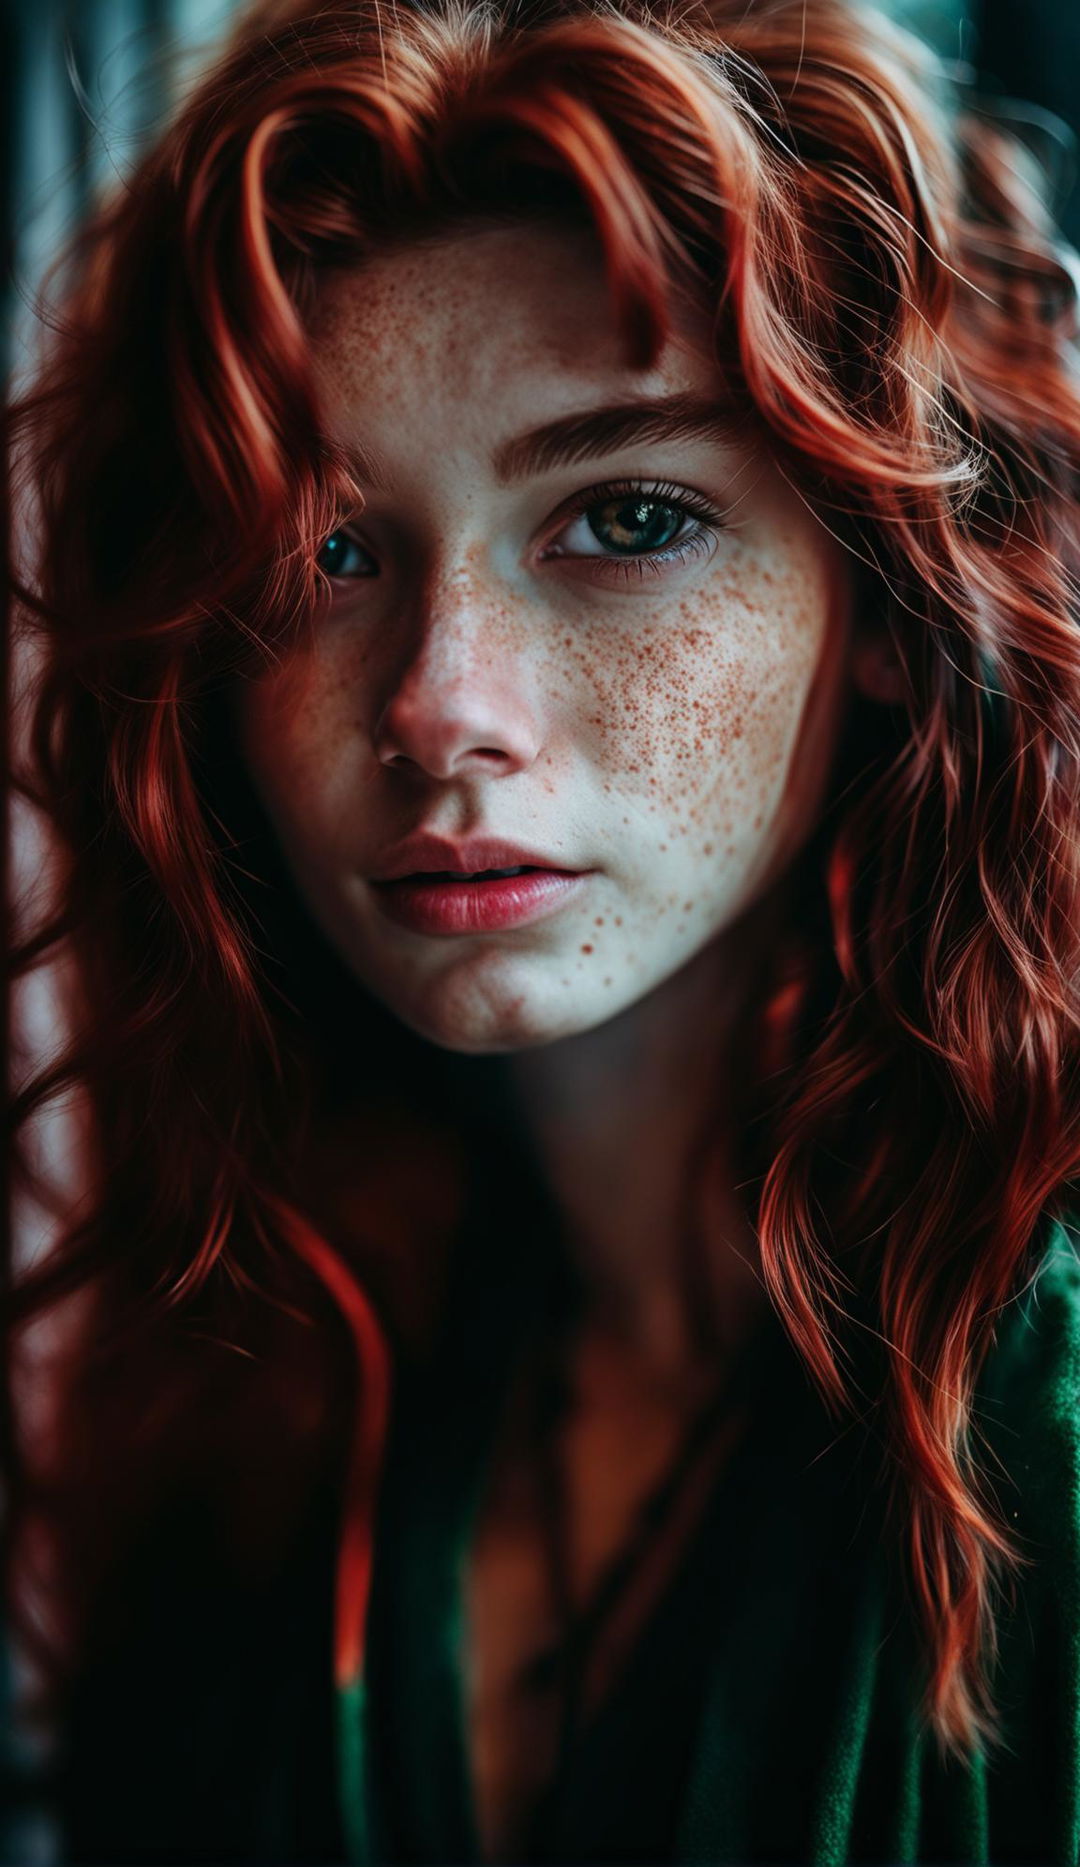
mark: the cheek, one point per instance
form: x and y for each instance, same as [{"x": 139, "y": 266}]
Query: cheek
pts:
[
  {"x": 695, "y": 703},
  {"x": 302, "y": 745}
]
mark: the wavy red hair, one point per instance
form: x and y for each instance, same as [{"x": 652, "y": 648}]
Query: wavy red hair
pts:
[{"x": 893, "y": 314}]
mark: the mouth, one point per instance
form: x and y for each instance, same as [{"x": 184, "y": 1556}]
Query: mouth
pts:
[{"x": 476, "y": 875}]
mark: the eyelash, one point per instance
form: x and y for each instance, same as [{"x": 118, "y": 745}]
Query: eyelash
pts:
[{"x": 662, "y": 493}]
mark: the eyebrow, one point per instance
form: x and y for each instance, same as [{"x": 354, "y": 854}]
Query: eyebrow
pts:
[
  {"x": 570, "y": 439},
  {"x": 574, "y": 438}
]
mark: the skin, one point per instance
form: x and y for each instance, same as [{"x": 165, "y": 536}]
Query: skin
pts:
[{"x": 489, "y": 662}]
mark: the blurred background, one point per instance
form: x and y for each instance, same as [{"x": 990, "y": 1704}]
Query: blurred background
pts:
[{"x": 83, "y": 83}]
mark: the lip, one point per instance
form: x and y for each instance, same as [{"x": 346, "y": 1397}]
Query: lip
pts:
[
  {"x": 425, "y": 853},
  {"x": 453, "y": 907},
  {"x": 419, "y": 886}
]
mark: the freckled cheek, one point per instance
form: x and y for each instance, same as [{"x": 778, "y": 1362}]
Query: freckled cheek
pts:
[
  {"x": 769, "y": 699},
  {"x": 675, "y": 715}
]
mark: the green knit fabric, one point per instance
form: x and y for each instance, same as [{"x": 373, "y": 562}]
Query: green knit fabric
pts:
[
  {"x": 830, "y": 1840},
  {"x": 806, "y": 1744}
]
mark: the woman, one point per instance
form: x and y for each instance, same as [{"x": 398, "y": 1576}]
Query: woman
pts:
[{"x": 560, "y": 702}]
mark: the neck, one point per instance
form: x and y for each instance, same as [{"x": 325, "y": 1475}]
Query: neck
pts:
[{"x": 629, "y": 1123}]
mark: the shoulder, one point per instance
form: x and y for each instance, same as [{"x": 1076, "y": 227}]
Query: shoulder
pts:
[
  {"x": 1027, "y": 1404},
  {"x": 1036, "y": 1352},
  {"x": 1027, "y": 1421}
]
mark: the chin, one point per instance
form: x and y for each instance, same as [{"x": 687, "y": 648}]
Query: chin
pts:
[{"x": 485, "y": 1010}]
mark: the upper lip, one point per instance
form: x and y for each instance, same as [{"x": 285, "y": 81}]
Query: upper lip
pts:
[{"x": 424, "y": 854}]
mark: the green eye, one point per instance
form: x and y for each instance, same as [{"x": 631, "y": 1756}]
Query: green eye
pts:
[
  {"x": 635, "y": 525},
  {"x": 342, "y": 556}
]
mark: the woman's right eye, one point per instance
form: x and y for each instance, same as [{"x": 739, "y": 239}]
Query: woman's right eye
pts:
[{"x": 343, "y": 556}]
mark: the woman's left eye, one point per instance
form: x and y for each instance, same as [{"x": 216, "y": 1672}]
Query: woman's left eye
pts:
[{"x": 632, "y": 527}]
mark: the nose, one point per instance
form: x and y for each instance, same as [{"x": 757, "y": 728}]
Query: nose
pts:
[{"x": 460, "y": 703}]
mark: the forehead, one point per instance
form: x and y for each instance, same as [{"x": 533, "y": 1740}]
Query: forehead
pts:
[{"x": 496, "y": 318}]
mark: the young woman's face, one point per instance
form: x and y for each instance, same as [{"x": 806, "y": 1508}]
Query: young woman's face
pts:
[{"x": 582, "y": 628}]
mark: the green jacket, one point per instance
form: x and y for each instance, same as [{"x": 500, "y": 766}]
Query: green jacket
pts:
[
  {"x": 771, "y": 1711},
  {"x": 767, "y": 1713}
]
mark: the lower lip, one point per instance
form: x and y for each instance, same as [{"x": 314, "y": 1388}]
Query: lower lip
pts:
[{"x": 477, "y": 907}]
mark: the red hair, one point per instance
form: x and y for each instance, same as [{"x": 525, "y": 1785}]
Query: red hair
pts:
[{"x": 891, "y": 312}]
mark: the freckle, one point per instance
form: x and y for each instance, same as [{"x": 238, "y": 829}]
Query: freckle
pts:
[
  {"x": 586, "y": 949},
  {"x": 599, "y": 921},
  {"x": 607, "y": 981},
  {"x": 686, "y": 906},
  {"x": 618, "y": 920},
  {"x": 708, "y": 849},
  {"x": 663, "y": 849}
]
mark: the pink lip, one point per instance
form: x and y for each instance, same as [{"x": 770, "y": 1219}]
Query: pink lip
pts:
[{"x": 429, "y": 906}]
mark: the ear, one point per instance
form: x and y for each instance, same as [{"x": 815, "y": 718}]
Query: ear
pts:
[{"x": 875, "y": 667}]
